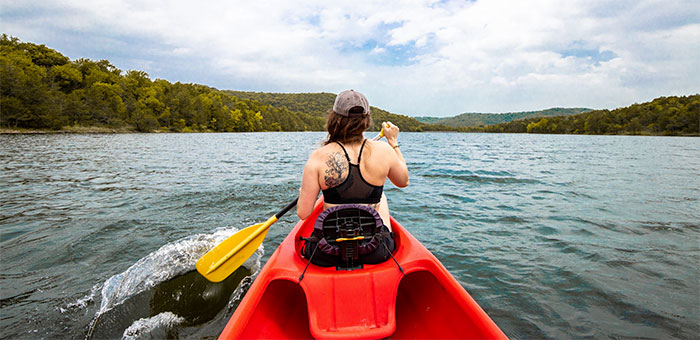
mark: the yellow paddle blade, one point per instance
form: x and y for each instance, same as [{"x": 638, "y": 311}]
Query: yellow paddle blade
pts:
[{"x": 225, "y": 258}]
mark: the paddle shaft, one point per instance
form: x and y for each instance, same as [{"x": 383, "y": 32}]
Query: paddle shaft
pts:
[{"x": 287, "y": 208}]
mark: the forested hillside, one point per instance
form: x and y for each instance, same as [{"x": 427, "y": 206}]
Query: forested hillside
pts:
[
  {"x": 662, "y": 116},
  {"x": 317, "y": 104},
  {"x": 42, "y": 89},
  {"x": 481, "y": 119}
]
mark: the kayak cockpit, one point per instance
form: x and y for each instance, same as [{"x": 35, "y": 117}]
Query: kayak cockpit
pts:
[
  {"x": 422, "y": 310},
  {"x": 425, "y": 310},
  {"x": 376, "y": 301},
  {"x": 280, "y": 314}
]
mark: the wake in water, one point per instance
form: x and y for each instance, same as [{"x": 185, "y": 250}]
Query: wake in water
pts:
[
  {"x": 162, "y": 290},
  {"x": 154, "y": 327}
]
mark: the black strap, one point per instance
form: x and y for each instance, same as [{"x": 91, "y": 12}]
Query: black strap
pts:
[
  {"x": 301, "y": 277},
  {"x": 384, "y": 234},
  {"x": 346, "y": 153},
  {"x": 359, "y": 157},
  {"x": 392, "y": 257},
  {"x": 311, "y": 238}
]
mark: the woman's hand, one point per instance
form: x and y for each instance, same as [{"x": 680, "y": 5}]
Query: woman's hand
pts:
[
  {"x": 398, "y": 173},
  {"x": 391, "y": 133}
]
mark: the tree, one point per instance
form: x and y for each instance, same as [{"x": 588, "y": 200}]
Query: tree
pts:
[
  {"x": 22, "y": 88},
  {"x": 104, "y": 103},
  {"x": 67, "y": 77}
]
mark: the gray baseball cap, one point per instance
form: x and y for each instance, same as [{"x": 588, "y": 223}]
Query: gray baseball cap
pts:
[{"x": 350, "y": 99}]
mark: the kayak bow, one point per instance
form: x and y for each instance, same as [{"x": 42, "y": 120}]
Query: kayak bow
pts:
[{"x": 377, "y": 301}]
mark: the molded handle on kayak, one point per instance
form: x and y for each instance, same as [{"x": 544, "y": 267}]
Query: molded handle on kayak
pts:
[
  {"x": 343, "y": 239},
  {"x": 287, "y": 208}
]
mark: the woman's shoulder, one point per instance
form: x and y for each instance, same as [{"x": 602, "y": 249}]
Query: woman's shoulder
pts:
[
  {"x": 323, "y": 151},
  {"x": 379, "y": 145}
]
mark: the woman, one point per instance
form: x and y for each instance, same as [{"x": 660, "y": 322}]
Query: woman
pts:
[{"x": 351, "y": 169}]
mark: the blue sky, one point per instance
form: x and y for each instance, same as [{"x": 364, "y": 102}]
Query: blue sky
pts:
[{"x": 434, "y": 58}]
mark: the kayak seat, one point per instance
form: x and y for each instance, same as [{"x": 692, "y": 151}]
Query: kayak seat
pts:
[{"x": 347, "y": 237}]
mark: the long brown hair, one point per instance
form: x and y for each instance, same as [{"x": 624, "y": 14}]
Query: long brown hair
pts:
[{"x": 348, "y": 129}]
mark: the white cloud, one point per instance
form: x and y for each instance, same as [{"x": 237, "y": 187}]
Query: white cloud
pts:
[
  {"x": 378, "y": 50},
  {"x": 414, "y": 57}
]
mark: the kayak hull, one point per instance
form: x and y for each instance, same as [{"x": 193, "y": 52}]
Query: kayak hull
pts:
[{"x": 377, "y": 301}]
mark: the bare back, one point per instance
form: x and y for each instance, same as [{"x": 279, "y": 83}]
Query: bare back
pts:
[
  {"x": 328, "y": 167},
  {"x": 334, "y": 167}
]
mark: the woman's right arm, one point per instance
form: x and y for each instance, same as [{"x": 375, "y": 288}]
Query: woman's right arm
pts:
[
  {"x": 398, "y": 172},
  {"x": 308, "y": 193}
]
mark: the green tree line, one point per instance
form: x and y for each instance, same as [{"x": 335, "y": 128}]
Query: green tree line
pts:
[
  {"x": 317, "y": 105},
  {"x": 41, "y": 88},
  {"x": 662, "y": 116},
  {"x": 483, "y": 119}
]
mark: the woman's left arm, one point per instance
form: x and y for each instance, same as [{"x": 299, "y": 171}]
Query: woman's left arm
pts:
[{"x": 308, "y": 193}]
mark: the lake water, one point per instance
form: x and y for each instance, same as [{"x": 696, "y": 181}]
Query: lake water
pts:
[{"x": 554, "y": 236}]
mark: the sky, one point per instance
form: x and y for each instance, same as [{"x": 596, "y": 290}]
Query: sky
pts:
[{"x": 418, "y": 58}]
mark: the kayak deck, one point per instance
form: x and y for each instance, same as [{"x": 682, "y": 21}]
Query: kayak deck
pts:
[{"x": 377, "y": 301}]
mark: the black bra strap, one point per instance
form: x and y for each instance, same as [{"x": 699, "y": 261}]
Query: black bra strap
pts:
[
  {"x": 359, "y": 157},
  {"x": 346, "y": 153}
]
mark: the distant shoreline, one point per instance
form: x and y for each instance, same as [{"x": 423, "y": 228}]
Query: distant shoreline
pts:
[
  {"x": 104, "y": 130},
  {"x": 67, "y": 130},
  {"x": 88, "y": 97}
]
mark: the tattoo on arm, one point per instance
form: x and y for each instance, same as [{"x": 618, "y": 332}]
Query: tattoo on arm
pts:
[{"x": 337, "y": 166}]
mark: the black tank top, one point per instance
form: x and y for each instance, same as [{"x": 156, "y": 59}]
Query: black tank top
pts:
[{"x": 354, "y": 188}]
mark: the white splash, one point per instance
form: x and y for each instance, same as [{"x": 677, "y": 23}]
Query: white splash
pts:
[
  {"x": 82, "y": 302},
  {"x": 153, "y": 327},
  {"x": 169, "y": 261}
]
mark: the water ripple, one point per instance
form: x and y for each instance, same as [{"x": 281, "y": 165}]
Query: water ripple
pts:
[{"x": 556, "y": 237}]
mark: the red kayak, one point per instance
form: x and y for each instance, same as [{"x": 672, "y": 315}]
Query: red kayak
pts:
[{"x": 377, "y": 301}]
